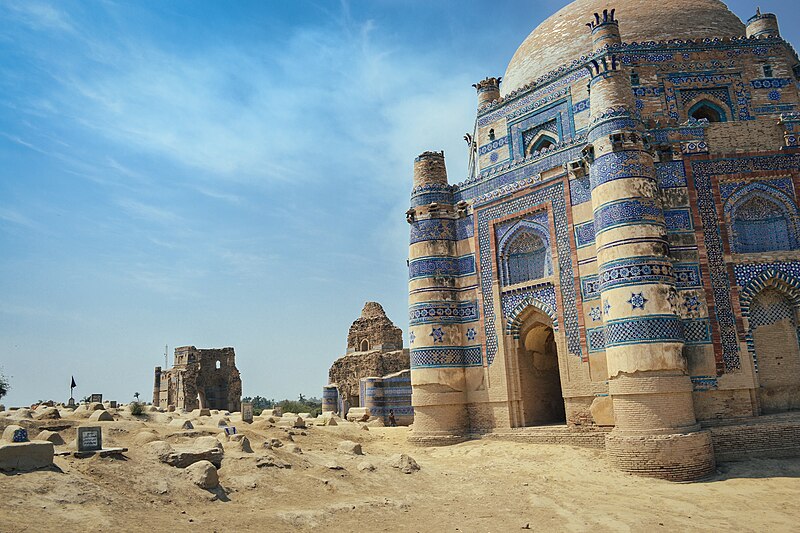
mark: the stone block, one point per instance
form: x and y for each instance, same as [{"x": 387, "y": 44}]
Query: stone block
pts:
[
  {"x": 181, "y": 424},
  {"x": 24, "y": 456},
  {"x": 101, "y": 416},
  {"x": 51, "y": 436},
  {"x": 602, "y": 410},
  {"x": 203, "y": 474},
  {"x": 10, "y": 433}
]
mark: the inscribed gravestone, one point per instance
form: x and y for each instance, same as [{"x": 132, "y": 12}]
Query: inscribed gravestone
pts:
[
  {"x": 247, "y": 412},
  {"x": 112, "y": 404},
  {"x": 90, "y": 439},
  {"x": 97, "y": 398}
]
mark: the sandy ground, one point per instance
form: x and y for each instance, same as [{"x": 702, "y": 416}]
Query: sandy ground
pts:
[{"x": 476, "y": 486}]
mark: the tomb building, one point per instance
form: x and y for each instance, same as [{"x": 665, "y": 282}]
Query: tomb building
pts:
[
  {"x": 199, "y": 379},
  {"x": 374, "y": 373},
  {"x": 625, "y": 249}
]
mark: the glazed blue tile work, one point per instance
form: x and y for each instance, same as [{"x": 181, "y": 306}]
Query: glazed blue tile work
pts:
[
  {"x": 697, "y": 331},
  {"x": 580, "y": 106},
  {"x": 635, "y": 271},
  {"x": 678, "y": 220},
  {"x": 494, "y": 145},
  {"x": 427, "y": 194},
  {"x": 720, "y": 284},
  {"x": 687, "y": 276},
  {"x": 671, "y": 174},
  {"x": 514, "y": 107},
  {"x": 596, "y": 339},
  {"x": 619, "y": 165},
  {"x": 590, "y": 287},
  {"x": 771, "y": 83},
  {"x": 644, "y": 330},
  {"x": 465, "y": 227},
  {"x": 728, "y": 188},
  {"x": 740, "y": 104},
  {"x": 704, "y": 383},
  {"x": 627, "y": 212},
  {"x": 554, "y": 119},
  {"x": 433, "y": 229},
  {"x": 443, "y": 312},
  {"x": 580, "y": 191},
  {"x": 543, "y": 293},
  {"x": 584, "y": 234},
  {"x": 446, "y": 356},
  {"x": 436, "y": 267},
  {"x": 756, "y": 277},
  {"x": 555, "y": 194}
]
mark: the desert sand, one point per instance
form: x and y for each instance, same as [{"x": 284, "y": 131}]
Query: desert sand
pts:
[{"x": 478, "y": 486}]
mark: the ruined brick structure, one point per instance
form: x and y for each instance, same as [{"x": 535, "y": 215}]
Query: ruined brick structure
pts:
[
  {"x": 200, "y": 379},
  {"x": 625, "y": 249},
  {"x": 374, "y": 350}
]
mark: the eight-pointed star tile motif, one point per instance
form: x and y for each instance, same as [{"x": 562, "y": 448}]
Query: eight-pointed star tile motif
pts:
[{"x": 437, "y": 334}]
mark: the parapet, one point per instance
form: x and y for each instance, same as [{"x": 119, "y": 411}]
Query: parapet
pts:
[
  {"x": 763, "y": 25},
  {"x": 429, "y": 169},
  {"x": 488, "y": 90}
]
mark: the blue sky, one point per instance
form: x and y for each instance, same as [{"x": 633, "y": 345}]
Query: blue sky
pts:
[{"x": 223, "y": 174}]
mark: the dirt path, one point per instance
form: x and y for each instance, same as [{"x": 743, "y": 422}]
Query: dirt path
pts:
[{"x": 477, "y": 486}]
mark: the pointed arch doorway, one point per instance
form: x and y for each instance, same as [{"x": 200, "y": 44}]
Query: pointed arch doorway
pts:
[{"x": 541, "y": 401}]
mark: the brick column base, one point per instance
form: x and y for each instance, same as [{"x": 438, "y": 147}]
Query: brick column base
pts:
[{"x": 674, "y": 457}]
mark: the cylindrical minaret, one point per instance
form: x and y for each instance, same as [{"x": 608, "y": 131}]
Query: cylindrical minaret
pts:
[
  {"x": 157, "y": 386},
  {"x": 330, "y": 399},
  {"x": 763, "y": 25},
  {"x": 437, "y": 365},
  {"x": 373, "y": 396},
  {"x": 656, "y": 433},
  {"x": 488, "y": 91}
]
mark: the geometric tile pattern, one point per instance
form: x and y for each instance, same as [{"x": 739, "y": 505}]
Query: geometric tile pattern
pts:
[
  {"x": 427, "y": 267},
  {"x": 671, "y": 175},
  {"x": 636, "y": 271},
  {"x": 687, "y": 276},
  {"x": 580, "y": 191},
  {"x": 678, "y": 220},
  {"x": 443, "y": 312},
  {"x": 446, "y": 357},
  {"x": 644, "y": 330},
  {"x": 432, "y": 229},
  {"x": 702, "y": 171},
  {"x": 590, "y": 287},
  {"x": 554, "y": 194},
  {"x": 697, "y": 331},
  {"x": 584, "y": 234},
  {"x": 596, "y": 339}
]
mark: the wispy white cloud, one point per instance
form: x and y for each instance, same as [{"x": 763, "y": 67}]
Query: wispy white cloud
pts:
[{"x": 39, "y": 15}]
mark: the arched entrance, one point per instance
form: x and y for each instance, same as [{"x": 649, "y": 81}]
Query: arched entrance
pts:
[
  {"x": 541, "y": 398},
  {"x": 773, "y": 322}
]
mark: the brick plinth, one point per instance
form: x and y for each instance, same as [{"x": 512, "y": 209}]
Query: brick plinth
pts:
[{"x": 674, "y": 457}]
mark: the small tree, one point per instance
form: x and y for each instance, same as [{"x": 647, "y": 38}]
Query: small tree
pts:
[
  {"x": 136, "y": 395},
  {"x": 4, "y": 386}
]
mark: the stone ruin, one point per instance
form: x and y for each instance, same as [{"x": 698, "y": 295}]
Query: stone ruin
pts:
[
  {"x": 199, "y": 379},
  {"x": 374, "y": 350}
]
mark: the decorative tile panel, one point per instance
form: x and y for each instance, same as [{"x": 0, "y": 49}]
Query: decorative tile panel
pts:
[
  {"x": 443, "y": 312},
  {"x": 446, "y": 357}
]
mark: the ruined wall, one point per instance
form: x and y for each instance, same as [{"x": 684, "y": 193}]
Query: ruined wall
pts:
[
  {"x": 374, "y": 327},
  {"x": 200, "y": 378},
  {"x": 348, "y": 370}
]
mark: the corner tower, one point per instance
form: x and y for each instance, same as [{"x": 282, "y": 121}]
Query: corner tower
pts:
[
  {"x": 656, "y": 433},
  {"x": 437, "y": 356}
]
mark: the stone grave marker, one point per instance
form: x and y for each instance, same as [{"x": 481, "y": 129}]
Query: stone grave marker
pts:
[
  {"x": 247, "y": 412},
  {"x": 112, "y": 404},
  {"x": 71, "y": 402},
  {"x": 90, "y": 439},
  {"x": 20, "y": 435},
  {"x": 97, "y": 398}
]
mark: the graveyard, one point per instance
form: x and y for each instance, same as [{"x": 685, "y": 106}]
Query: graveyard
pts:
[{"x": 183, "y": 471}]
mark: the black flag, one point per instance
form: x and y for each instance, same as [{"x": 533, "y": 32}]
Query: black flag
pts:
[{"x": 73, "y": 383}]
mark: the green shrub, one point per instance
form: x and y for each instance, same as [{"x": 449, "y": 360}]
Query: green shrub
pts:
[{"x": 137, "y": 409}]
